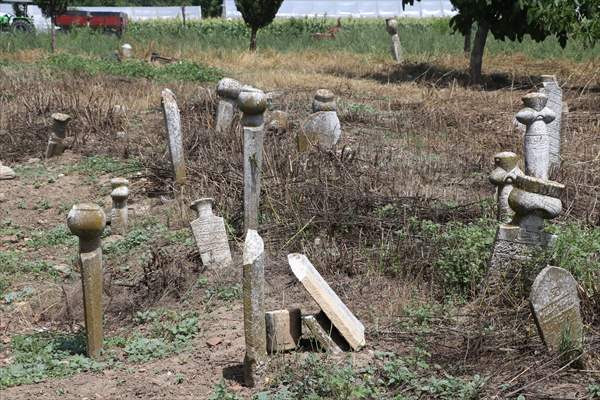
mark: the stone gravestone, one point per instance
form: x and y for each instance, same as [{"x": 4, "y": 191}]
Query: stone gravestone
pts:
[
  {"x": 253, "y": 289},
  {"x": 211, "y": 237},
  {"x": 87, "y": 221},
  {"x": 253, "y": 105},
  {"x": 119, "y": 213},
  {"x": 6, "y": 172},
  {"x": 555, "y": 103},
  {"x": 323, "y": 125},
  {"x": 533, "y": 199},
  {"x": 326, "y": 335},
  {"x": 503, "y": 177},
  {"x": 350, "y": 328},
  {"x": 555, "y": 306},
  {"x": 56, "y": 139},
  {"x": 173, "y": 125},
  {"x": 391, "y": 25},
  {"x": 284, "y": 328},
  {"x": 228, "y": 90}
]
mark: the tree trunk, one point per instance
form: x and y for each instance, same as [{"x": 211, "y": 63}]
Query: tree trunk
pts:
[
  {"x": 467, "y": 44},
  {"x": 253, "y": 39},
  {"x": 183, "y": 14},
  {"x": 477, "y": 52},
  {"x": 52, "y": 36}
]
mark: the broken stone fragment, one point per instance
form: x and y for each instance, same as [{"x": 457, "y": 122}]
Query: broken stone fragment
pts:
[
  {"x": 278, "y": 121},
  {"x": 6, "y": 172},
  {"x": 211, "y": 237},
  {"x": 326, "y": 335},
  {"x": 284, "y": 328},
  {"x": 351, "y": 329}
]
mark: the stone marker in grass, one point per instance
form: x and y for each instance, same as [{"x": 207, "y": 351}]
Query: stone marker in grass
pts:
[
  {"x": 87, "y": 221},
  {"x": 555, "y": 103},
  {"x": 391, "y": 25},
  {"x": 555, "y": 305},
  {"x": 503, "y": 177},
  {"x": 56, "y": 139},
  {"x": 349, "y": 327},
  {"x": 326, "y": 335},
  {"x": 228, "y": 90},
  {"x": 284, "y": 328},
  {"x": 119, "y": 212},
  {"x": 254, "y": 308},
  {"x": 175, "y": 136},
  {"x": 253, "y": 105},
  {"x": 323, "y": 125},
  {"x": 211, "y": 237}
]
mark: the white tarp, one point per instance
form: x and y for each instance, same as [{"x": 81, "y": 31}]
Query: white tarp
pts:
[{"x": 357, "y": 9}]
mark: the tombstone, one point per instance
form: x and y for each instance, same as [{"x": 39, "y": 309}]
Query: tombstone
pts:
[
  {"x": 255, "y": 332},
  {"x": 126, "y": 51},
  {"x": 87, "y": 221},
  {"x": 211, "y": 237},
  {"x": 6, "y": 172},
  {"x": 503, "y": 177},
  {"x": 173, "y": 126},
  {"x": 119, "y": 211},
  {"x": 228, "y": 90},
  {"x": 278, "y": 121},
  {"x": 326, "y": 335},
  {"x": 253, "y": 105},
  {"x": 56, "y": 139},
  {"x": 284, "y": 329},
  {"x": 391, "y": 25},
  {"x": 533, "y": 198},
  {"x": 555, "y": 103},
  {"x": 323, "y": 126},
  {"x": 349, "y": 327},
  {"x": 555, "y": 306}
]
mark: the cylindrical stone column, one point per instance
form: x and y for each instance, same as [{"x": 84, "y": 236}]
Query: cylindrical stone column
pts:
[
  {"x": 119, "y": 194},
  {"x": 56, "y": 139},
  {"x": 87, "y": 221},
  {"x": 253, "y": 105},
  {"x": 254, "y": 308}
]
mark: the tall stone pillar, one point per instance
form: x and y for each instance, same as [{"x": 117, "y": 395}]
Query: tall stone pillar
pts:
[
  {"x": 56, "y": 139},
  {"x": 253, "y": 105},
  {"x": 87, "y": 221},
  {"x": 119, "y": 211}
]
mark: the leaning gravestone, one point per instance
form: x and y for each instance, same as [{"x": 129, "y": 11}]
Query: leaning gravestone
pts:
[
  {"x": 555, "y": 103},
  {"x": 351, "y": 329},
  {"x": 391, "y": 25},
  {"x": 173, "y": 125},
  {"x": 210, "y": 235},
  {"x": 555, "y": 306}
]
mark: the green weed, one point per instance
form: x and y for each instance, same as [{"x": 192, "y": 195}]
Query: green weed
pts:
[
  {"x": 101, "y": 164},
  {"x": 221, "y": 392},
  {"x": 60, "y": 235}
]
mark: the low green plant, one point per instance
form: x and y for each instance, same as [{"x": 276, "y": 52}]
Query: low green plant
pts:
[
  {"x": 594, "y": 390},
  {"x": 225, "y": 293},
  {"x": 101, "y": 164},
  {"x": 221, "y": 392},
  {"x": 58, "y": 236}
]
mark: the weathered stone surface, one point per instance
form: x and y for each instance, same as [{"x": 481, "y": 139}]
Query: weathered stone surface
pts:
[
  {"x": 126, "y": 51},
  {"x": 175, "y": 136},
  {"x": 391, "y": 25},
  {"x": 254, "y": 308},
  {"x": 555, "y": 306},
  {"x": 342, "y": 318},
  {"x": 211, "y": 237},
  {"x": 6, "y": 172},
  {"x": 228, "y": 90},
  {"x": 119, "y": 218},
  {"x": 56, "y": 138},
  {"x": 284, "y": 328},
  {"x": 503, "y": 177},
  {"x": 555, "y": 103},
  {"x": 253, "y": 105},
  {"x": 87, "y": 221},
  {"x": 278, "y": 121},
  {"x": 324, "y": 101},
  {"x": 322, "y": 329},
  {"x": 324, "y": 127}
]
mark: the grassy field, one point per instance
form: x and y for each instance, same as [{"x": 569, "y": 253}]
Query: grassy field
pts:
[{"x": 402, "y": 208}]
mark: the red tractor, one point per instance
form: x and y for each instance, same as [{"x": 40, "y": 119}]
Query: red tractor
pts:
[{"x": 108, "y": 21}]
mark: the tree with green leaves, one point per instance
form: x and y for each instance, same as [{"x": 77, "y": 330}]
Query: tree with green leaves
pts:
[
  {"x": 50, "y": 9},
  {"x": 257, "y": 14},
  {"x": 211, "y": 8}
]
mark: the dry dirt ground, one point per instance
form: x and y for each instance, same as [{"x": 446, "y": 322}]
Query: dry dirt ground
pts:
[{"x": 437, "y": 134}]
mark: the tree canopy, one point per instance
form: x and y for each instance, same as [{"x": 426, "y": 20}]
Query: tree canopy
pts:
[{"x": 257, "y": 14}]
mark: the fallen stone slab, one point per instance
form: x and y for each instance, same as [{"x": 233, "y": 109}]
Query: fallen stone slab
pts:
[
  {"x": 342, "y": 318},
  {"x": 327, "y": 336}
]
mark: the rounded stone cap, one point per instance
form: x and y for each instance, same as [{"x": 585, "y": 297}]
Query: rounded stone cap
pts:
[
  {"x": 229, "y": 88},
  {"x": 506, "y": 160},
  {"x": 126, "y": 46},
  {"x": 391, "y": 25},
  {"x": 252, "y": 103},
  {"x": 60, "y": 117},
  {"x": 120, "y": 193},
  {"x": 535, "y": 100},
  {"x": 548, "y": 78},
  {"x": 116, "y": 182},
  {"x": 324, "y": 95},
  {"x": 86, "y": 220},
  {"x": 197, "y": 204}
]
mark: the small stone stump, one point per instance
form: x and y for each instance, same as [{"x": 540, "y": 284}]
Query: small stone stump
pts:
[
  {"x": 228, "y": 90},
  {"x": 211, "y": 237},
  {"x": 253, "y": 105},
  {"x": 56, "y": 139},
  {"x": 555, "y": 306},
  {"x": 284, "y": 329},
  {"x": 323, "y": 126},
  {"x": 126, "y": 51},
  {"x": 391, "y": 25},
  {"x": 254, "y": 308},
  {"x": 119, "y": 211},
  {"x": 175, "y": 136},
  {"x": 87, "y": 221},
  {"x": 503, "y": 177}
]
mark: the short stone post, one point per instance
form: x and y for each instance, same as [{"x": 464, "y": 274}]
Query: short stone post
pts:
[
  {"x": 211, "y": 237},
  {"x": 87, "y": 221},
  {"x": 323, "y": 125},
  {"x": 126, "y": 51},
  {"x": 118, "y": 215},
  {"x": 503, "y": 178},
  {"x": 56, "y": 139},
  {"x": 253, "y": 105},
  {"x": 228, "y": 90},
  {"x": 391, "y": 25},
  {"x": 254, "y": 308}
]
